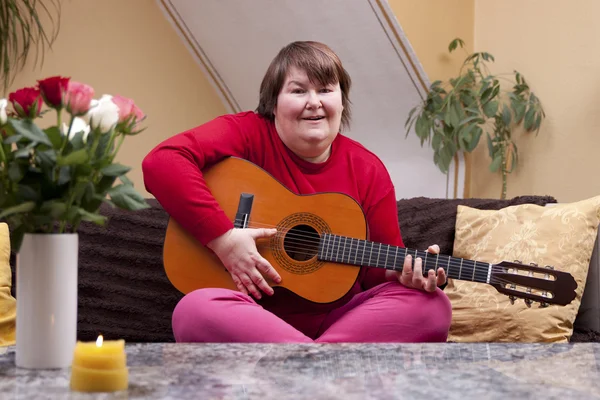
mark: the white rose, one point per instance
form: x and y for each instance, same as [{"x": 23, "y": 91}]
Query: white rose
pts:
[
  {"x": 3, "y": 116},
  {"x": 78, "y": 125},
  {"x": 103, "y": 114}
]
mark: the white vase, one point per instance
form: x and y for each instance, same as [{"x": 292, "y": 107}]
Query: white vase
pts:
[{"x": 46, "y": 279}]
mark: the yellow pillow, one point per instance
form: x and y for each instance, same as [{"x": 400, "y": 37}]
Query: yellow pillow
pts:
[
  {"x": 8, "y": 306},
  {"x": 561, "y": 236}
]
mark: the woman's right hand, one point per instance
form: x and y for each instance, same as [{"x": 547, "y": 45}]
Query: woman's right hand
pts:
[{"x": 237, "y": 251}]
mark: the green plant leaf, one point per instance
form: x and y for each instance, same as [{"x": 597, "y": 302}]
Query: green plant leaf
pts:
[
  {"x": 75, "y": 158},
  {"x": 55, "y": 208},
  {"x": 496, "y": 162},
  {"x": 55, "y": 137},
  {"x": 16, "y": 171},
  {"x": 115, "y": 170},
  {"x": 529, "y": 118},
  {"x": 490, "y": 144},
  {"x": 454, "y": 44},
  {"x": 506, "y": 115},
  {"x": 422, "y": 127},
  {"x": 126, "y": 197},
  {"x": 490, "y": 109},
  {"x": 31, "y": 131},
  {"x": 91, "y": 217},
  {"x": 21, "y": 208}
]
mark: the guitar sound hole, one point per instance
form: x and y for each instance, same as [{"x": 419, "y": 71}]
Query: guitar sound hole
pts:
[{"x": 301, "y": 242}]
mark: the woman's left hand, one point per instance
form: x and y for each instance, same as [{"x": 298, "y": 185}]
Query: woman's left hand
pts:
[{"x": 415, "y": 279}]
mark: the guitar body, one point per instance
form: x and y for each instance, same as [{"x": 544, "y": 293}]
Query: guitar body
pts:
[{"x": 300, "y": 220}]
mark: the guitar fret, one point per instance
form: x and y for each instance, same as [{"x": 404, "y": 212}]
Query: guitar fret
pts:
[
  {"x": 460, "y": 269},
  {"x": 448, "y": 267},
  {"x": 344, "y": 249},
  {"x": 378, "y": 254},
  {"x": 362, "y": 259},
  {"x": 387, "y": 256},
  {"x": 474, "y": 266},
  {"x": 395, "y": 257},
  {"x": 370, "y": 254}
]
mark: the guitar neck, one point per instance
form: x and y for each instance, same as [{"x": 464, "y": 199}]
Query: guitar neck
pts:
[{"x": 347, "y": 250}]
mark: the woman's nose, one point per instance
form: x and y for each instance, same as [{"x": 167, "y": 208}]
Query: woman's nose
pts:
[{"x": 313, "y": 100}]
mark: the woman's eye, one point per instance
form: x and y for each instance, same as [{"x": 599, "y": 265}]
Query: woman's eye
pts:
[
  {"x": 297, "y": 91},
  {"x": 325, "y": 90}
]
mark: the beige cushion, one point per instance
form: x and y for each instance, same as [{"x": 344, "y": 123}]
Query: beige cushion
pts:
[
  {"x": 562, "y": 236},
  {"x": 8, "y": 307}
]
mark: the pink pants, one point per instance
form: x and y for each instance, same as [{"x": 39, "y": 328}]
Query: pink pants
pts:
[{"x": 389, "y": 312}]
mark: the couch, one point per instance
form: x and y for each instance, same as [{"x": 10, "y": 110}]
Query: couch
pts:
[{"x": 124, "y": 292}]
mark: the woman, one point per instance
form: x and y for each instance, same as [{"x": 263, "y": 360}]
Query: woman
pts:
[{"x": 293, "y": 135}]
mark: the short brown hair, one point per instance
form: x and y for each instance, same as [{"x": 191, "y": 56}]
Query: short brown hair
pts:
[{"x": 321, "y": 65}]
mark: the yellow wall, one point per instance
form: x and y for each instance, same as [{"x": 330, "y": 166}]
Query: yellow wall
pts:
[
  {"x": 555, "y": 44},
  {"x": 430, "y": 25},
  {"x": 129, "y": 48}
]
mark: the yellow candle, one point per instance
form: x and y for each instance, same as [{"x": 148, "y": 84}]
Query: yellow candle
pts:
[{"x": 99, "y": 366}]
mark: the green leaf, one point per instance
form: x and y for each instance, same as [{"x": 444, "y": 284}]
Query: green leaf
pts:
[
  {"x": 27, "y": 192},
  {"x": 506, "y": 115},
  {"x": 13, "y": 139},
  {"x": 31, "y": 131},
  {"x": 55, "y": 137},
  {"x": 519, "y": 110},
  {"x": 47, "y": 158},
  {"x": 529, "y": 118},
  {"x": 16, "y": 171},
  {"x": 126, "y": 197},
  {"x": 77, "y": 141},
  {"x": 490, "y": 109},
  {"x": 490, "y": 144},
  {"x": 75, "y": 158},
  {"x": 64, "y": 175},
  {"x": 497, "y": 161},
  {"x": 21, "y": 208},
  {"x": 92, "y": 217},
  {"x": 422, "y": 127},
  {"x": 455, "y": 43},
  {"x": 55, "y": 208},
  {"x": 115, "y": 170}
]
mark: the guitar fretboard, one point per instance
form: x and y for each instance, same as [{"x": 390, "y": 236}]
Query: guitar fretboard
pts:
[{"x": 347, "y": 250}]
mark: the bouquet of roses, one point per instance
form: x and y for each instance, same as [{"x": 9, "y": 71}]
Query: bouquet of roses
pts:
[{"x": 53, "y": 176}]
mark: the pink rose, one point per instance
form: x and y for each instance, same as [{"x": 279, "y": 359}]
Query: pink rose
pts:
[
  {"x": 52, "y": 90},
  {"x": 128, "y": 111},
  {"x": 78, "y": 98},
  {"x": 27, "y": 102}
]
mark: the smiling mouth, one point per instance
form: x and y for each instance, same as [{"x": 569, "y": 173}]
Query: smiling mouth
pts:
[{"x": 317, "y": 118}]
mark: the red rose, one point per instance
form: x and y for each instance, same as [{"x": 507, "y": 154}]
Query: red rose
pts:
[
  {"x": 27, "y": 102},
  {"x": 52, "y": 90}
]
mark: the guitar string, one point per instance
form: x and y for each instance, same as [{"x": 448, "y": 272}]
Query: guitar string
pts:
[
  {"x": 480, "y": 273},
  {"x": 312, "y": 237}
]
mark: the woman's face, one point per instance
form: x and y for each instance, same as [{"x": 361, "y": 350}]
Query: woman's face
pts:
[{"x": 308, "y": 116}]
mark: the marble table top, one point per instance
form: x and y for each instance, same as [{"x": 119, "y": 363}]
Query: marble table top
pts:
[{"x": 336, "y": 371}]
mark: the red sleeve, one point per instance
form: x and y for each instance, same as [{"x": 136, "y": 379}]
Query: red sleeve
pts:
[
  {"x": 172, "y": 172},
  {"x": 382, "y": 219}
]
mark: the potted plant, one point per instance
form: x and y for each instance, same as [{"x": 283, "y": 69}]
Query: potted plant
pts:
[
  {"x": 52, "y": 179},
  {"x": 455, "y": 114}
]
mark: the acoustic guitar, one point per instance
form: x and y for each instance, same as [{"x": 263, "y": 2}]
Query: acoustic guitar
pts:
[{"x": 321, "y": 240}]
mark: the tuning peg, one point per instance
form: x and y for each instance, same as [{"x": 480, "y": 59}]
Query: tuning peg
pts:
[
  {"x": 543, "y": 305},
  {"x": 518, "y": 261},
  {"x": 512, "y": 299},
  {"x": 549, "y": 267},
  {"x": 533, "y": 264},
  {"x": 528, "y": 302}
]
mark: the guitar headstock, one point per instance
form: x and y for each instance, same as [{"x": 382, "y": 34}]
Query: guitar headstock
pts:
[{"x": 533, "y": 283}]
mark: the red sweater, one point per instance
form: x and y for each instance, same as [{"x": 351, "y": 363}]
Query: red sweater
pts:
[{"x": 172, "y": 174}]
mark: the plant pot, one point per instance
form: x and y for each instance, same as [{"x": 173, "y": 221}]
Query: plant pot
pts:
[{"x": 46, "y": 279}]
